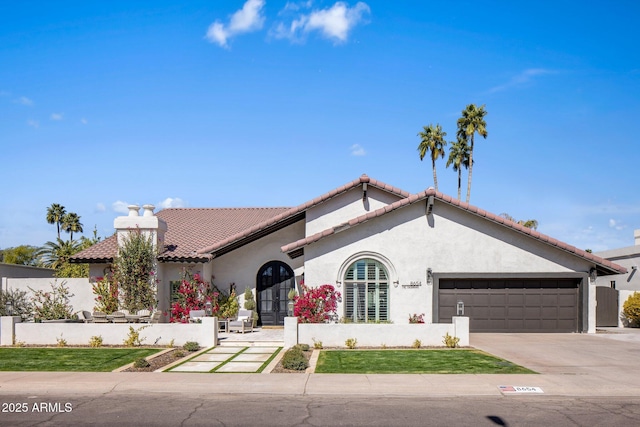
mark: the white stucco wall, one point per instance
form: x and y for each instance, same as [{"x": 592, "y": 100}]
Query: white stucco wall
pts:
[
  {"x": 453, "y": 241},
  {"x": 626, "y": 257},
  {"x": 344, "y": 207},
  {"x": 82, "y": 299}
]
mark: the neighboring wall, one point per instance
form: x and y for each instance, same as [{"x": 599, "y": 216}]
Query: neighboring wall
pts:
[
  {"x": 14, "y": 270},
  {"x": 82, "y": 293}
]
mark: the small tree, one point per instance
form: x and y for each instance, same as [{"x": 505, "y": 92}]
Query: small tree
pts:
[
  {"x": 316, "y": 305},
  {"x": 21, "y": 305},
  {"x": 106, "y": 290},
  {"x": 230, "y": 307},
  {"x": 134, "y": 271},
  {"x": 250, "y": 304}
]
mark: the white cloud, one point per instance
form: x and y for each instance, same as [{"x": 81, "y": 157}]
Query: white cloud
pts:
[
  {"x": 57, "y": 116},
  {"x": 172, "y": 203},
  {"x": 357, "y": 150},
  {"x": 100, "y": 207},
  {"x": 23, "y": 100},
  {"x": 521, "y": 79},
  {"x": 334, "y": 23},
  {"x": 120, "y": 207},
  {"x": 616, "y": 225},
  {"x": 33, "y": 123},
  {"x": 249, "y": 18}
]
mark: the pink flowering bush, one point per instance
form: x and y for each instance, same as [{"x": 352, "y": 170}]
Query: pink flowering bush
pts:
[
  {"x": 193, "y": 294},
  {"x": 106, "y": 291},
  {"x": 316, "y": 305},
  {"x": 52, "y": 305}
]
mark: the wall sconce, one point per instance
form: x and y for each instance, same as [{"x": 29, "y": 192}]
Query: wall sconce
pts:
[
  {"x": 593, "y": 274},
  {"x": 429, "y": 276},
  {"x": 460, "y": 308},
  {"x": 396, "y": 283},
  {"x": 9, "y": 308},
  {"x": 208, "y": 309},
  {"x": 338, "y": 283}
]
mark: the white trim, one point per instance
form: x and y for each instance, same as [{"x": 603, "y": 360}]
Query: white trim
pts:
[{"x": 391, "y": 270}]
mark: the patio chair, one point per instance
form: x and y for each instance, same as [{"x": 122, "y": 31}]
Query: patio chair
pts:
[
  {"x": 119, "y": 317},
  {"x": 243, "y": 322},
  {"x": 99, "y": 317},
  {"x": 195, "y": 316},
  {"x": 145, "y": 316},
  {"x": 87, "y": 317}
]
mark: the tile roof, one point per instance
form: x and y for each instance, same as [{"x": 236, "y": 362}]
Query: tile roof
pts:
[
  {"x": 188, "y": 230},
  {"x": 603, "y": 264},
  {"x": 292, "y": 212}
]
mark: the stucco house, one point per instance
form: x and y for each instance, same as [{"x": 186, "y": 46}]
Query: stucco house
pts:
[{"x": 388, "y": 252}]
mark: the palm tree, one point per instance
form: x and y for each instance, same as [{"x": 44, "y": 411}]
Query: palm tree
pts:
[
  {"x": 472, "y": 121},
  {"x": 55, "y": 212},
  {"x": 55, "y": 254},
  {"x": 71, "y": 223},
  {"x": 459, "y": 158},
  {"x": 432, "y": 139}
]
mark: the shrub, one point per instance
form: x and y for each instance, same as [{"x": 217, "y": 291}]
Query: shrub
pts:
[
  {"x": 95, "y": 341},
  {"x": 230, "y": 307},
  {"x": 193, "y": 294},
  {"x": 631, "y": 309},
  {"x": 317, "y": 344},
  {"x": 416, "y": 344},
  {"x": 449, "y": 341},
  {"x": 21, "y": 305},
  {"x": 351, "y": 343},
  {"x": 294, "y": 359},
  {"x": 171, "y": 343},
  {"x": 178, "y": 354},
  {"x": 191, "y": 346},
  {"x": 133, "y": 338},
  {"x": 61, "y": 341},
  {"x": 316, "y": 305},
  {"x": 106, "y": 291},
  {"x": 416, "y": 318},
  {"x": 52, "y": 305},
  {"x": 303, "y": 347},
  {"x": 141, "y": 363}
]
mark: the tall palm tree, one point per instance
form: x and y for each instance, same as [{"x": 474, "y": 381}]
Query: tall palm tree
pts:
[
  {"x": 459, "y": 158},
  {"x": 472, "y": 121},
  {"x": 55, "y": 212},
  {"x": 432, "y": 140},
  {"x": 71, "y": 224}
]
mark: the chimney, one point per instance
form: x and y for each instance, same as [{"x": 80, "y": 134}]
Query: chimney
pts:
[
  {"x": 148, "y": 224},
  {"x": 636, "y": 236}
]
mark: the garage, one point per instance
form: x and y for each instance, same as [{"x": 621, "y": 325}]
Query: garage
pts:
[{"x": 512, "y": 305}]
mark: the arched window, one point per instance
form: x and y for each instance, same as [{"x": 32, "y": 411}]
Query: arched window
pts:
[{"x": 366, "y": 289}]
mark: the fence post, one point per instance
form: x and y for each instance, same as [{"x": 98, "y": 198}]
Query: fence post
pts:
[
  {"x": 8, "y": 329},
  {"x": 290, "y": 331}
]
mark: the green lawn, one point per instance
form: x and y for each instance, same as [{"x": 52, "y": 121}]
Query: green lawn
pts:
[
  {"x": 69, "y": 359},
  {"x": 459, "y": 361}
]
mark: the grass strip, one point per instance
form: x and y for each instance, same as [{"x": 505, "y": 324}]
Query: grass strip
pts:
[
  {"x": 432, "y": 361},
  {"x": 69, "y": 359}
]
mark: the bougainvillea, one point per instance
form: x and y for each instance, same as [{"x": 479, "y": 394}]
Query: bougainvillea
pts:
[
  {"x": 193, "y": 294},
  {"x": 106, "y": 290},
  {"x": 53, "y": 305},
  {"x": 316, "y": 305}
]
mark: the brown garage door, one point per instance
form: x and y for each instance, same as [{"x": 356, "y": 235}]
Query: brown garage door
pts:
[{"x": 512, "y": 305}]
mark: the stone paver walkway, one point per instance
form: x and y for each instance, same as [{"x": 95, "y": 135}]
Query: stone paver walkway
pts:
[{"x": 245, "y": 357}]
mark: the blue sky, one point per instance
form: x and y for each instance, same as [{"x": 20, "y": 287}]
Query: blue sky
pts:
[{"x": 272, "y": 103}]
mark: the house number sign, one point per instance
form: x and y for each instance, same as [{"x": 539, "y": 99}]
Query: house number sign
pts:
[{"x": 414, "y": 284}]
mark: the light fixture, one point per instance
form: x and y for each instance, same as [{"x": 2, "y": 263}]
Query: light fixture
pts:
[
  {"x": 460, "y": 308},
  {"x": 429, "y": 275},
  {"x": 208, "y": 309},
  {"x": 9, "y": 308},
  {"x": 593, "y": 274}
]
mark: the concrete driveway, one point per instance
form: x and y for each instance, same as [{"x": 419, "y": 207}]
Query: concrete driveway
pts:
[{"x": 604, "y": 360}]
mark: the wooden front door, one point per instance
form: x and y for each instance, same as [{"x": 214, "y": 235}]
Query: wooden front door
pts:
[{"x": 275, "y": 280}]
